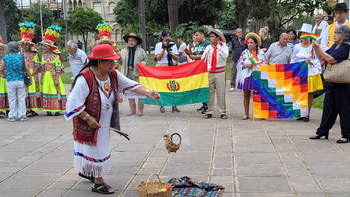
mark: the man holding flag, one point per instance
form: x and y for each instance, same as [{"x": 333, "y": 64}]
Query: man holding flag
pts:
[{"x": 215, "y": 55}]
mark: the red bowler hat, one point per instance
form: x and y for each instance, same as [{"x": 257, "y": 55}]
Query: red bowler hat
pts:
[{"x": 103, "y": 52}]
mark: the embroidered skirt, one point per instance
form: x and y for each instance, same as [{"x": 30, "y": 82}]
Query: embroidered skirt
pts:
[
  {"x": 315, "y": 83},
  {"x": 4, "y": 104},
  {"x": 54, "y": 98},
  {"x": 34, "y": 98}
]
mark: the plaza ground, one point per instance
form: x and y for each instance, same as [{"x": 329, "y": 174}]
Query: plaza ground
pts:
[{"x": 250, "y": 158}]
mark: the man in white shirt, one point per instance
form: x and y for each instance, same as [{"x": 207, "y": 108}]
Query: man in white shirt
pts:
[
  {"x": 77, "y": 57},
  {"x": 341, "y": 10},
  {"x": 319, "y": 24},
  {"x": 215, "y": 55},
  {"x": 161, "y": 52},
  {"x": 182, "y": 54}
]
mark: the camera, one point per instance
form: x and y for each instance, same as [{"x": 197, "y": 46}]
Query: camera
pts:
[{"x": 167, "y": 45}]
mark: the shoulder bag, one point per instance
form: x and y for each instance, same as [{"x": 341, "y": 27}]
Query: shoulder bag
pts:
[
  {"x": 26, "y": 77},
  {"x": 338, "y": 73}
]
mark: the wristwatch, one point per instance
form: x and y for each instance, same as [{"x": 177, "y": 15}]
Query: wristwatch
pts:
[{"x": 147, "y": 91}]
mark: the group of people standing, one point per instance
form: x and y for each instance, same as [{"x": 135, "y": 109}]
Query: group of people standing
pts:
[{"x": 24, "y": 91}]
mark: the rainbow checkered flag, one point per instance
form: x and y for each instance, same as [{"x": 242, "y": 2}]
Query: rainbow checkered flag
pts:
[{"x": 281, "y": 91}]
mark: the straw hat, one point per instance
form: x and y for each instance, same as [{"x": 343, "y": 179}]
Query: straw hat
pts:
[
  {"x": 103, "y": 52},
  {"x": 132, "y": 35},
  {"x": 219, "y": 33},
  {"x": 256, "y": 36},
  {"x": 3, "y": 45}
]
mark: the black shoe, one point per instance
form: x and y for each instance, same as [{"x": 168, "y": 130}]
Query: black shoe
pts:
[
  {"x": 90, "y": 178},
  {"x": 49, "y": 114},
  {"x": 342, "y": 141},
  {"x": 34, "y": 113},
  {"x": 301, "y": 118},
  {"x": 200, "y": 109},
  {"x": 175, "y": 109},
  {"x": 162, "y": 110},
  {"x": 57, "y": 114},
  {"x": 205, "y": 109},
  {"x": 29, "y": 114},
  {"x": 317, "y": 137},
  {"x": 2, "y": 114}
]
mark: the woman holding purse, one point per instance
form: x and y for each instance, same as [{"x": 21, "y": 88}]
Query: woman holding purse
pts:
[{"x": 337, "y": 98}]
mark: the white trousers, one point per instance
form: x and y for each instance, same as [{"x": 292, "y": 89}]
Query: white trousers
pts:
[
  {"x": 217, "y": 84},
  {"x": 16, "y": 92}
]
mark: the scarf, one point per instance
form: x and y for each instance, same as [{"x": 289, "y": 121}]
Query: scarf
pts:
[
  {"x": 132, "y": 56},
  {"x": 214, "y": 55}
]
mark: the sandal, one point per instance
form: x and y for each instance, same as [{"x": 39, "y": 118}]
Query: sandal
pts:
[
  {"x": 207, "y": 116},
  {"x": 49, "y": 114},
  {"x": 90, "y": 178},
  {"x": 245, "y": 117},
  {"x": 306, "y": 119},
  {"x": 102, "y": 188},
  {"x": 223, "y": 116}
]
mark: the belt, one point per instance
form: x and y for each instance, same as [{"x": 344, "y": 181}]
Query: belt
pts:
[{"x": 218, "y": 70}]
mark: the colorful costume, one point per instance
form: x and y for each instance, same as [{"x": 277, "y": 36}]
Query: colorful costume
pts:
[
  {"x": 314, "y": 78},
  {"x": 54, "y": 97},
  {"x": 104, "y": 33},
  {"x": 245, "y": 77},
  {"x": 4, "y": 104},
  {"x": 34, "y": 98}
]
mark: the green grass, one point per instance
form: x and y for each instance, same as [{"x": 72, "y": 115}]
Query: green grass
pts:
[
  {"x": 318, "y": 102},
  {"x": 66, "y": 64},
  {"x": 66, "y": 78}
]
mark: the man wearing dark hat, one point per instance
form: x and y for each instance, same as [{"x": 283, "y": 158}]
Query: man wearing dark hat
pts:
[
  {"x": 129, "y": 57},
  {"x": 341, "y": 10}
]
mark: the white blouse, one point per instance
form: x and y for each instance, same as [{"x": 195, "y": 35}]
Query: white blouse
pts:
[{"x": 301, "y": 54}]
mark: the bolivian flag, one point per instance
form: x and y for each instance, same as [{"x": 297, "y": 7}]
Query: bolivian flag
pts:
[{"x": 177, "y": 85}]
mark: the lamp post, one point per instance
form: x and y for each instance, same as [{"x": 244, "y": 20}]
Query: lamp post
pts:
[{"x": 69, "y": 14}]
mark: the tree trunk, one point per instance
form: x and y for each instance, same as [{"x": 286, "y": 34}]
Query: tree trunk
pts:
[
  {"x": 3, "y": 32},
  {"x": 242, "y": 23},
  {"x": 243, "y": 10},
  {"x": 142, "y": 23},
  {"x": 173, "y": 15},
  {"x": 260, "y": 23}
]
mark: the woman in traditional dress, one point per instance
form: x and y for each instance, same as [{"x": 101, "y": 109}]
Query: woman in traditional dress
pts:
[
  {"x": 54, "y": 94},
  {"x": 245, "y": 68},
  {"x": 305, "y": 52},
  {"x": 31, "y": 55},
  {"x": 92, "y": 103},
  {"x": 4, "y": 105}
]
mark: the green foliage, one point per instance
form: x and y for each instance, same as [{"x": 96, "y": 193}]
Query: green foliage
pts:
[
  {"x": 15, "y": 36},
  {"x": 281, "y": 13},
  {"x": 186, "y": 30},
  {"x": 298, "y": 22},
  {"x": 126, "y": 13},
  {"x": 227, "y": 16},
  {"x": 84, "y": 22},
  {"x": 328, "y": 9},
  {"x": 66, "y": 78},
  {"x": 33, "y": 15},
  {"x": 13, "y": 17}
]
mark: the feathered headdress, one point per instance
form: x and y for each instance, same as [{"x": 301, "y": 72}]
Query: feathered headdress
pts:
[
  {"x": 104, "y": 31},
  {"x": 27, "y": 31},
  {"x": 51, "y": 35},
  {"x": 2, "y": 44}
]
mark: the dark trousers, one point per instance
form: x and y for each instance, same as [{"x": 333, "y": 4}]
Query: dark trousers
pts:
[{"x": 336, "y": 101}]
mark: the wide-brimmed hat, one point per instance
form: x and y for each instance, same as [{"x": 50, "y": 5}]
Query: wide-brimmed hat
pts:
[
  {"x": 341, "y": 6},
  {"x": 3, "y": 45},
  {"x": 103, "y": 52},
  {"x": 132, "y": 35},
  {"x": 219, "y": 33},
  {"x": 306, "y": 28},
  {"x": 256, "y": 36}
]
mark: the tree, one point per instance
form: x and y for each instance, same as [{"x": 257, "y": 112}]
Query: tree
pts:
[
  {"x": 242, "y": 13},
  {"x": 9, "y": 18},
  {"x": 281, "y": 13},
  {"x": 227, "y": 17},
  {"x": 33, "y": 15},
  {"x": 84, "y": 22},
  {"x": 173, "y": 14}
]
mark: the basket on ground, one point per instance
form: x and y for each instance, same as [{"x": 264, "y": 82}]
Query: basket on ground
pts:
[
  {"x": 169, "y": 143},
  {"x": 152, "y": 189}
]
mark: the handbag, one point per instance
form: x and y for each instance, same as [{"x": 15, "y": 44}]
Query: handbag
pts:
[
  {"x": 26, "y": 77},
  {"x": 338, "y": 73}
]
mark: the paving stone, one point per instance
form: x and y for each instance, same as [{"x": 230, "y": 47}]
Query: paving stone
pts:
[
  {"x": 256, "y": 158},
  {"x": 17, "y": 192},
  {"x": 28, "y": 181},
  {"x": 264, "y": 170},
  {"x": 276, "y": 194},
  {"x": 52, "y": 193},
  {"x": 264, "y": 184}
]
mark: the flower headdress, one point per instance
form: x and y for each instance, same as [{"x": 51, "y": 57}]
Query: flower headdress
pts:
[
  {"x": 51, "y": 35},
  {"x": 1, "y": 41},
  {"x": 27, "y": 31},
  {"x": 104, "y": 31}
]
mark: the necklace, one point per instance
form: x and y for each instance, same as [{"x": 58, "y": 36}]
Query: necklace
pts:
[{"x": 106, "y": 90}]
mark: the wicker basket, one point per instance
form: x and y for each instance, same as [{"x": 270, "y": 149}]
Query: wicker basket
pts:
[
  {"x": 151, "y": 189},
  {"x": 170, "y": 145}
]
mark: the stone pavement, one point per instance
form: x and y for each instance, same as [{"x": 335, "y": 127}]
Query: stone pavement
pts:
[{"x": 250, "y": 158}]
